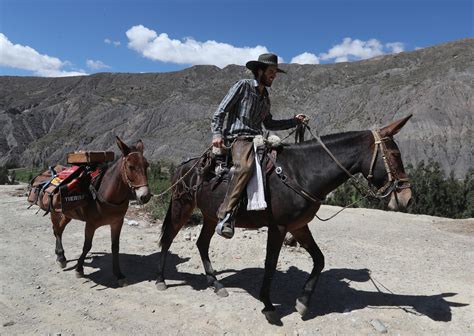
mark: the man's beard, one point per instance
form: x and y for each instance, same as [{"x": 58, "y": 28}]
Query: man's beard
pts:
[{"x": 265, "y": 81}]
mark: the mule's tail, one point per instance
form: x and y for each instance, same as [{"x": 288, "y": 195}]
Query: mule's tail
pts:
[{"x": 166, "y": 226}]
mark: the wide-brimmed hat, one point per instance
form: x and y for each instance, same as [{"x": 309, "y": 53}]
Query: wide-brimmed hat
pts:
[{"x": 264, "y": 59}]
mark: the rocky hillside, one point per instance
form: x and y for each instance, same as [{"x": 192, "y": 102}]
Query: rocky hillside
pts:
[{"x": 43, "y": 118}]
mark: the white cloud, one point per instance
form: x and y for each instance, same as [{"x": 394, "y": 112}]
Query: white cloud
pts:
[
  {"x": 109, "y": 41},
  {"x": 26, "y": 58},
  {"x": 305, "y": 58},
  {"x": 396, "y": 47},
  {"x": 352, "y": 50},
  {"x": 96, "y": 65},
  {"x": 188, "y": 51}
]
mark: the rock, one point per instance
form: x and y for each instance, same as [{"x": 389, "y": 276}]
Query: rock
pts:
[
  {"x": 290, "y": 240},
  {"x": 379, "y": 326},
  {"x": 131, "y": 222},
  {"x": 375, "y": 91}
]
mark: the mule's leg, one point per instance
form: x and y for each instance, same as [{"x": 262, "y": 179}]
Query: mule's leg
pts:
[
  {"x": 115, "y": 230},
  {"x": 88, "y": 235},
  {"x": 59, "y": 223},
  {"x": 276, "y": 235},
  {"x": 203, "y": 243},
  {"x": 179, "y": 211},
  {"x": 305, "y": 238}
]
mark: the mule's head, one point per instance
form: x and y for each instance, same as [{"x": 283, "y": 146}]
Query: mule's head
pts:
[
  {"x": 386, "y": 171},
  {"x": 134, "y": 170}
]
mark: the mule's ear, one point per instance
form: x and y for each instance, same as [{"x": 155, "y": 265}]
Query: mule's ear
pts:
[
  {"x": 123, "y": 147},
  {"x": 394, "y": 128},
  {"x": 139, "y": 146}
]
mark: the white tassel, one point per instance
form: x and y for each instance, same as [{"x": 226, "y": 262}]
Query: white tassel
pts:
[{"x": 255, "y": 191}]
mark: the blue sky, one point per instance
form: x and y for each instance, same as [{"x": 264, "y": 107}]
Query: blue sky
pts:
[{"x": 70, "y": 37}]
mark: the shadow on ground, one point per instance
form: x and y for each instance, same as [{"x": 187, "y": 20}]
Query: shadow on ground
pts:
[
  {"x": 333, "y": 293},
  {"x": 136, "y": 268}
]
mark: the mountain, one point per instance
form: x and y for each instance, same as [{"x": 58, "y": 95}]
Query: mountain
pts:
[{"x": 44, "y": 118}]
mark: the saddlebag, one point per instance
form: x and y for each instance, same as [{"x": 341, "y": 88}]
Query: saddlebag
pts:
[{"x": 60, "y": 190}]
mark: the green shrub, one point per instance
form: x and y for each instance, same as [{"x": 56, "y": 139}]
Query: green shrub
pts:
[
  {"x": 158, "y": 181},
  {"x": 25, "y": 175}
]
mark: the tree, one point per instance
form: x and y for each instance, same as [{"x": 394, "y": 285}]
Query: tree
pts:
[
  {"x": 468, "y": 194},
  {"x": 3, "y": 175}
]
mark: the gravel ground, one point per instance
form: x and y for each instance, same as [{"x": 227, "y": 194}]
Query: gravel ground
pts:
[{"x": 385, "y": 272}]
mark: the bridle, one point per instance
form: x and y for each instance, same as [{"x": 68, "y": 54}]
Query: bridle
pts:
[{"x": 394, "y": 182}]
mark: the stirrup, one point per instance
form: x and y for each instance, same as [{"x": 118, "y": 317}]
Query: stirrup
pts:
[{"x": 225, "y": 227}]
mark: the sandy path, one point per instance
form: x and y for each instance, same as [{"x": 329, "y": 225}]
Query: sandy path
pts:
[{"x": 411, "y": 273}]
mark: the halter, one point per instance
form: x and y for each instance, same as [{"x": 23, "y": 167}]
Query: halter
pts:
[{"x": 125, "y": 176}]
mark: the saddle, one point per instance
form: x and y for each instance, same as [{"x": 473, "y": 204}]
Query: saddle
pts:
[
  {"x": 220, "y": 166},
  {"x": 63, "y": 188}
]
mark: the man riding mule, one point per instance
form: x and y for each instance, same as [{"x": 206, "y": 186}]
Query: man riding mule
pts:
[
  {"x": 305, "y": 173},
  {"x": 248, "y": 106}
]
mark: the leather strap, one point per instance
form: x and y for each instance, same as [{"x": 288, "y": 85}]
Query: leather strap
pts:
[{"x": 292, "y": 184}]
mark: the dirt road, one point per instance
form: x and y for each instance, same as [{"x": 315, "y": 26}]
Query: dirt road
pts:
[{"x": 407, "y": 274}]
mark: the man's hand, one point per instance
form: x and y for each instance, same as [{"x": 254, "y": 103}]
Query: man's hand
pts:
[
  {"x": 301, "y": 118},
  {"x": 218, "y": 142}
]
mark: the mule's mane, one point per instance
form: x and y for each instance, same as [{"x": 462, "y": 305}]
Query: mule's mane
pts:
[{"x": 328, "y": 139}]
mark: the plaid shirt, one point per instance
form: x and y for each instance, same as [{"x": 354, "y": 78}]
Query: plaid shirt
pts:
[{"x": 246, "y": 110}]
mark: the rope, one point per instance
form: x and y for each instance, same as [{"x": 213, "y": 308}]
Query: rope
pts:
[
  {"x": 357, "y": 184},
  {"x": 289, "y": 134},
  {"x": 182, "y": 177},
  {"x": 338, "y": 212}
]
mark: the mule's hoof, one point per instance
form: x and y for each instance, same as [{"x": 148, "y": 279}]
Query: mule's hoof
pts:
[
  {"x": 221, "y": 292},
  {"x": 301, "y": 307},
  {"x": 62, "y": 263},
  {"x": 79, "y": 274},
  {"x": 272, "y": 317},
  {"x": 123, "y": 282},
  {"x": 161, "y": 286}
]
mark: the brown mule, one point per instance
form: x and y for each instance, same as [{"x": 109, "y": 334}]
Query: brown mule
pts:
[
  {"x": 313, "y": 174},
  {"x": 124, "y": 180}
]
